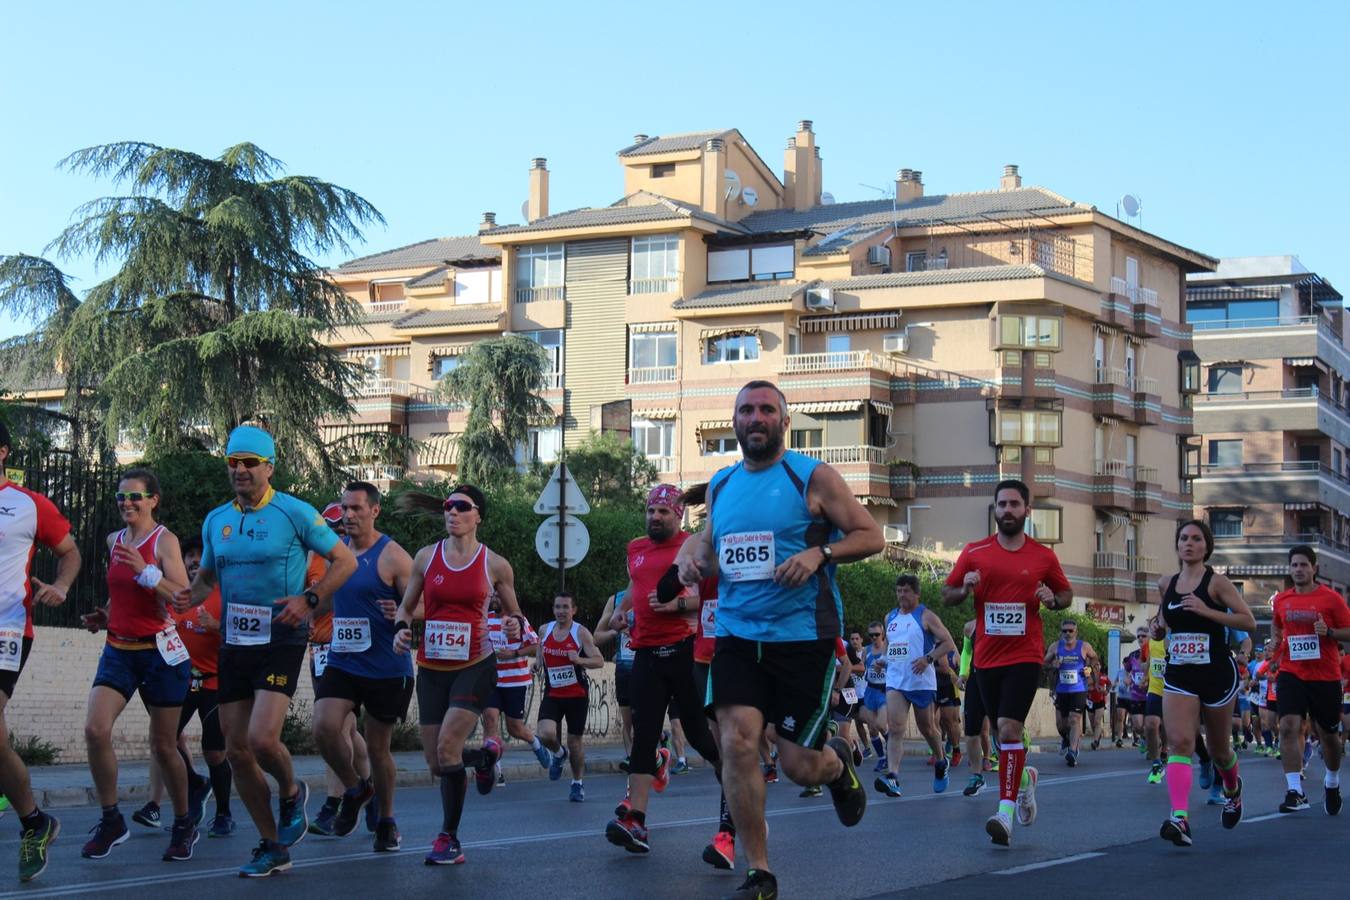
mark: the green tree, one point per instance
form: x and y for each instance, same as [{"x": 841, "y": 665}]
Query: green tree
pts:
[
  {"x": 216, "y": 312},
  {"x": 610, "y": 469},
  {"x": 500, "y": 380}
]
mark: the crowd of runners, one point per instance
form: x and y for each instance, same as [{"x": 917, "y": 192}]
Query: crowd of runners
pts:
[{"x": 733, "y": 633}]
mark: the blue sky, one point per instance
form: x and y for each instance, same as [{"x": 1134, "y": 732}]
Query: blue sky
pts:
[{"x": 1227, "y": 119}]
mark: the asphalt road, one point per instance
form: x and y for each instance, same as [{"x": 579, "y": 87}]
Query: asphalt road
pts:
[{"x": 1097, "y": 831}]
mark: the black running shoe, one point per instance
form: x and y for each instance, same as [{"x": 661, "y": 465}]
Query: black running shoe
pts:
[
  {"x": 1293, "y": 802},
  {"x": 1176, "y": 830},
  {"x": 1332, "y": 802},
  {"x": 349, "y": 809},
  {"x": 1232, "y": 808},
  {"x": 758, "y": 885},
  {"x": 850, "y": 799}
]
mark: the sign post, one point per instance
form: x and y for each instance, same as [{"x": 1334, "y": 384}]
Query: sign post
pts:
[{"x": 555, "y": 545}]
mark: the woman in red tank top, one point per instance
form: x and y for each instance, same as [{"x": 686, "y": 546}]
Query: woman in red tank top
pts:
[
  {"x": 144, "y": 653},
  {"x": 451, "y": 582}
]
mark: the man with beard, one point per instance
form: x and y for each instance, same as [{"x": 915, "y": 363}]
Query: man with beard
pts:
[
  {"x": 662, "y": 639},
  {"x": 1011, "y": 577},
  {"x": 778, "y": 524}
]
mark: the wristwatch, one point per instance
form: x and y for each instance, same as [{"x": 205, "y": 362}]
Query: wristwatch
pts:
[
  {"x": 312, "y": 599},
  {"x": 826, "y": 552}
]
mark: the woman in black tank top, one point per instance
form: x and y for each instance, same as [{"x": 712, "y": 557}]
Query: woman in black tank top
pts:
[{"x": 1201, "y": 680}]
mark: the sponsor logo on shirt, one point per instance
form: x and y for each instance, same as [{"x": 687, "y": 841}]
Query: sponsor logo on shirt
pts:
[{"x": 226, "y": 532}]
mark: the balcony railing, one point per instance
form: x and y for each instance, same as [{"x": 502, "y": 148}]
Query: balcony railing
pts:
[
  {"x": 1313, "y": 539},
  {"x": 1269, "y": 322},
  {"x": 653, "y": 285},
  {"x": 539, "y": 294},
  {"x": 1141, "y": 564},
  {"x": 663, "y": 464},
  {"x": 1139, "y": 384},
  {"x": 1145, "y": 473},
  {"x": 651, "y": 374},
  {"x": 836, "y": 455},
  {"x": 1295, "y": 466},
  {"x": 386, "y": 306},
  {"x": 377, "y": 472},
  {"x": 811, "y": 363},
  {"x": 1114, "y": 468},
  {"x": 1108, "y": 560},
  {"x": 384, "y": 387}
]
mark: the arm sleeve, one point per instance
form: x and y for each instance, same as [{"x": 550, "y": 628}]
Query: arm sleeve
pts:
[
  {"x": 52, "y": 526},
  {"x": 967, "y": 654}
]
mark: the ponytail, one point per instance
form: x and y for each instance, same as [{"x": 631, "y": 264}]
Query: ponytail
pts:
[{"x": 420, "y": 503}]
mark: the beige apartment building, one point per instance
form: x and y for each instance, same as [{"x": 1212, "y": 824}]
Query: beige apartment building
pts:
[
  {"x": 928, "y": 344},
  {"x": 1272, "y": 468}
]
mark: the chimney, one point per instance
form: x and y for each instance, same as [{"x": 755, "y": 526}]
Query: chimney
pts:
[
  {"x": 639, "y": 139},
  {"x": 489, "y": 222},
  {"x": 801, "y": 169},
  {"x": 714, "y": 187},
  {"x": 1010, "y": 180},
  {"x": 908, "y": 186},
  {"x": 537, "y": 207}
]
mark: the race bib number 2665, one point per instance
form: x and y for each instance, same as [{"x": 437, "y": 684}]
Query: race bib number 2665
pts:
[{"x": 746, "y": 556}]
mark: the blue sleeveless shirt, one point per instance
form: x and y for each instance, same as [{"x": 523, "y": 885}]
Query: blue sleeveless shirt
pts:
[{"x": 358, "y": 600}]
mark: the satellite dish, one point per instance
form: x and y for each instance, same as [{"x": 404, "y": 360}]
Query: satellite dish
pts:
[
  {"x": 1130, "y": 203},
  {"x": 750, "y": 196},
  {"x": 826, "y": 199},
  {"x": 732, "y": 182}
]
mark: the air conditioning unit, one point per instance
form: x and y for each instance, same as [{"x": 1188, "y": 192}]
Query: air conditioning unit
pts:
[
  {"x": 895, "y": 343},
  {"x": 819, "y": 298},
  {"x": 896, "y": 534},
  {"x": 374, "y": 364},
  {"x": 880, "y": 255}
]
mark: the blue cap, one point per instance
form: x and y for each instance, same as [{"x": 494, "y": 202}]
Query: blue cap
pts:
[{"x": 249, "y": 440}]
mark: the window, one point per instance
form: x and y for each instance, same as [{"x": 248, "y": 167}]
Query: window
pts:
[
  {"x": 654, "y": 439},
  {"x": 475, "y": 285},
  {"x": 1099, "y": 530},
  {"x": 1099, "y": 354},
  {"x": 916, "y": 261},
  {"x": 539, "y": 266},
  {"x": 717, "y": 446},
  {"x": 662, "y": 170},
  {"x": 751, "y": 263},
  {"x": 1233, "y": 314},
  {"x": 878, "y": 427},
  {"x": 543, "y": 446},
  {"x": 652, "y": 349},
  {"x": 1028, "y": 427},
  {"x": 1336, "y": 460},
  {"x": 1098, "y": 444},
  {"x": 1045, "y": 524},
  {"x": 1310, "y": 523},
  {"x": 794, "y": 341},
  {"x": 731, "y": 348},
  {"x": 385, "y": 291},
  {"x": 442, "y": 366},
  {"x": 1190, "y": 371},
  {"x": 1131, "y": 543},
  {"x": 770, "y": 263},
  {"x": 552, "y": 342},
  {"x": 1225, "y": 453},
  {"x": 655, "y": 264},
  {"x": 1030, "y": 331},
  {"x": 1226, "y": 523},
  {"x": 836, "y": 343},
  {"x": 1225, "y": 379},
  {"x": 807, "y": 438}
]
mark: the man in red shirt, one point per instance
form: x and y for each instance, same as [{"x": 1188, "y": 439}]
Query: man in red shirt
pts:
[
  {"x": 1011, "y": 576},
  {"x": 1306, "y": 622}
]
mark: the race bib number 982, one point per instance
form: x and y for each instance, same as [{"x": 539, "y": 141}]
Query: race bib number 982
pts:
[{"x": 248, "y": 624}]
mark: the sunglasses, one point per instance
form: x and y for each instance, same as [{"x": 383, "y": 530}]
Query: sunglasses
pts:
[
  {"x": 462, "y": 506},
  {"x": 874, "y": 634},
  {"x": 133, "y": 496},
  {"x": 248, "y": 462},
  {"x": 1068, "y": 631}
]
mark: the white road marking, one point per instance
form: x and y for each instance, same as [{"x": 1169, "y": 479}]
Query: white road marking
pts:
[
  {"x": 1266, "y": 818},
  {"x": 1031, "y": 867}
]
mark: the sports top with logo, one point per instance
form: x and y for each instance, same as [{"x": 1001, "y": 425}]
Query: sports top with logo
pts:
[
  {"x": 259, "y": 555},
  {"x": 456, "y": 606},
  {"x": 135, "y": 613},
  {"x": 906, "y": 641},
  {"x": 1199, "y": 660},
  {"x": 26, "y": 517},
  {"x": 1070, "y": 677},
  {"x": 1303, "y": 653},
  {"x": 647, "y": 562},
  {"x": 759, "y": 520},
  {"x": 203, "y": 646},
  {"x": 362, "y": 637},
  {"x": 562, "y": 679},
  {"x": 511, "y": 673},
  {"x": 1007, "y": 613}
]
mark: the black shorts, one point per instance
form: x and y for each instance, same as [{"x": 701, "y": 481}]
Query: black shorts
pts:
[
  {"x": 701, "y": 679},
  {"x": 622, "y": 677},
  {"x": 266, "y": 667},
  {"x": 1319, "y": 700},
  {"x": 946, "y": 691},
  {"x": 571, "y": 710},
  {"x": 9, "y": 679},
  {"x": 202, "y": 703},
  {"x": 1153, "y": 705},
  {"x": 384, "y": 699},
  {"x": 510, "y": 700},
  {"x": 1008, "y": 691},
  {"x": 467, "y": 688},
  {"x": 1215, "y": 684},
  {"x": 788, "y": 681},
  {"x": 1130, "y": 707},
  {"x": 974, "y": 714},
  {"x": 1075, "y": 702}
]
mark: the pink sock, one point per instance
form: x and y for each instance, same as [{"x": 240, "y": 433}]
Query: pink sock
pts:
[{"x": 1179, "y": 777}]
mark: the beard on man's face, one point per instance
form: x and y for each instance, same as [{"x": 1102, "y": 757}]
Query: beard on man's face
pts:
[
  {"x": 1010, "y": 525},
  {"x": 759, "y": 441}
]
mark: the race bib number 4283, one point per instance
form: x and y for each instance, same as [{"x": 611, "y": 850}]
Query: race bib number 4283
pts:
[{"x": 746, "y": 556}]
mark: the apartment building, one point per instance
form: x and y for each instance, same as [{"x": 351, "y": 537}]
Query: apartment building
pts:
[
  {"x": 1271, "y": 467},
  {"x": 928, "y": 344}
]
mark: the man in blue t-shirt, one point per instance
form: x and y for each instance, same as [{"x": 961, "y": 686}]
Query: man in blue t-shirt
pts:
[{"x": 254, "y": 548}]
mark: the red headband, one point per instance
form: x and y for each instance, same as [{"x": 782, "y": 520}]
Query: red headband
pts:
[{"x": 666, "y": 495}]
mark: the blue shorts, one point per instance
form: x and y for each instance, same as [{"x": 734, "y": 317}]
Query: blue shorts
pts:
[
  {"x": 917, "y": 699},
  {"x": 874, "y": 699},
  {"x": 127, "y": 671},
  {"x": 1243, "y": 705},
  {"x": 510, "y": 700}
]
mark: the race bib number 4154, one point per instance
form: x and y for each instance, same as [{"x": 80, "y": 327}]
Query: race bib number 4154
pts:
[
  {"x": 447, "y": 640},
  {"x": 746, "y": 556}
]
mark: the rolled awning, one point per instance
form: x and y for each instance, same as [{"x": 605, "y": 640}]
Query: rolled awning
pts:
[
  {"x": 1301, "y": 507},
  {"x": 874, "y": 500},
  {"x": 1299, "y": 362},
  {"x": 825, "y": 406},
  {"x": 645, "y": 327},
  {"x": 707, "y": 333},
  {"x": 881, "y": 406},
  {"x": 448, "y": 349},
  {"x": 854, "y": 322},
  {"x": 664, "y": 413},
  {"x": 715, "y": 425},
  {"x": 380, "y": 350}
]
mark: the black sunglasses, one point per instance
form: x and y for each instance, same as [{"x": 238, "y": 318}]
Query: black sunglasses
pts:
[
  {"x": 133, "y": 496},
  {"x": 459, "y": 505},
  {"x": 874, "y": 634}
]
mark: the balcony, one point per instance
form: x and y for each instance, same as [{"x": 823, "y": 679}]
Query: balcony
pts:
[
  {"x": 651, "y": 374},
  {"x": 1268, "y": 555},
  {"x": 1299, "y": 409},
  {"x": 379, "y": 307},
  {"x": 839, "y": 455},
  {"x": 1147, "y": 491},
  {"x": 802, "y": 371},
  {"x": 1274, "y": 482},
  {"x": 1113, "y": 393},
  {"x": 389, "y": 387},
  {"x": 540, "y": 294},
  {"x": 818, "y": 363},
  {"x": 653, "y": 286},
  {"x": 1271, "y": 338},
  {"x": 376, "y": 472},
  {"x": 1121, "y": 576},
  {"x": 664, "y": 464},
  {"x": 1113, "y": 484},
  {"x": 867, "y": 470}
]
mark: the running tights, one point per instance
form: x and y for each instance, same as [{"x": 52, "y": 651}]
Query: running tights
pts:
[{"x": 654, "y": 682}]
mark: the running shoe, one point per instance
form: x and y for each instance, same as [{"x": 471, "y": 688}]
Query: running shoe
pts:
[
  {"x": 887, "y": 785},
  {"x": 758, "y": 885},
  {"x": 445, "y": 851},
  {"x": 555, "y": 764},
  {"x": 4, "y": 804},
  {"x": 1215, "y": 794},
  {"x": 681, "y": 767},
  {"x": 501, "y": 777},
  {"x": 148, "y": 816},
  {"x": 577, "y": 794},
  {"x": 999, "y": 829},
  {"x": 930, "y": 760},
  {"x": 322, "y": 823},
  {"x": 268, "y": 858},
  {"x": 956, "y": 758},
  {"x": 993, "y": 763},
  {"x": 812, "y": 791},
  {"x": 866, "y": 751},
  {"x": 624, "y": 808},
  {"x": 721, "y": 853},
  {"x": 372, "y": 815},
  {"x": 1119, "y": 743},
  {"x": 770, "y": 774},
  {"x": 974, "y": 786},
  {"x": 33, "y": 844},
  {"x": 198, "y": 791},
  {"x": 292, "y": 821},
  {"x": 1332, "y": 801},
  {"x": 349, "y": 810},
  {"x": 628, "y": 834},
  {"x": 850, "y": 800},
  {"x": 484, "y": 774},
  {"x": 623, "y": 763},
  {"x": 1155, "y": 774},
  {"x": 1096, "y": 744},
  {"x": 387, "y": 838},
  {"x": 940, "y": 779},
  {"x": 1177, "y": 830},
  {"x": 541, "y": 753},
  {"x": 1293, "y": 802},
  {"x": 181, "y": 841},
  {"x": 1206, "y": 776},
  {"x": 107, "y": 834},
  {"x": 882, "y": 765},
  {"x": 1232, "y": 808},
  {"x": 662, "y": 776},
  {"x": 1026, "y": 796},
  {"x": 857, "y": 755},
  {"x": 1070, "y": 758},
  {"x": 221, "y": 826}
]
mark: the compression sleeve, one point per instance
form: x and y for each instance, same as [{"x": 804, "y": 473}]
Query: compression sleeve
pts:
[{"x": 967, "y": 654}]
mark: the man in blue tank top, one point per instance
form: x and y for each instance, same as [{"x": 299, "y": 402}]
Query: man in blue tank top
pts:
[
  {"x": 1067, "y": 658},
  {"x": 363, "y": 669},
  {"x": 778, "y": 524}
]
